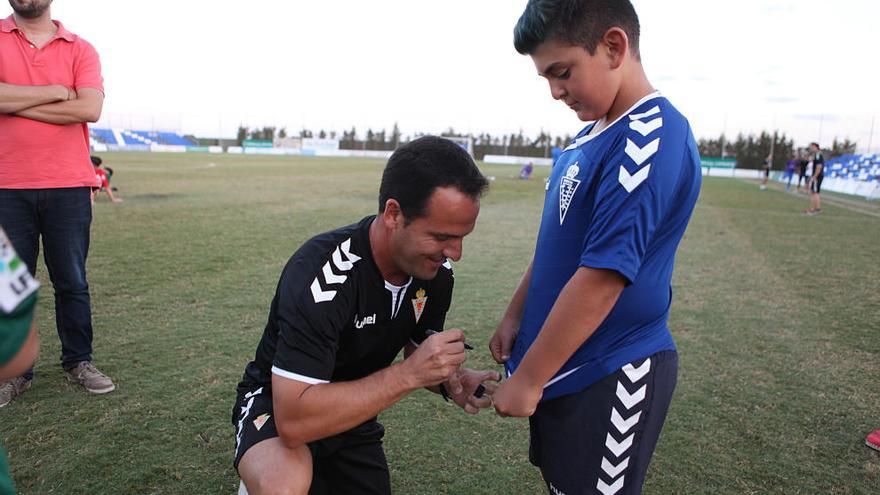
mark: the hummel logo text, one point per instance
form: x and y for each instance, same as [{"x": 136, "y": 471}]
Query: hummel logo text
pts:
[{"x": 368, "y": 320}]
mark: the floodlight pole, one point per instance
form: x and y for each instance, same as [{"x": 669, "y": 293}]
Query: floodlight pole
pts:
[
  {"x": 773, "y": 142},
  {"x": 723, "y": 130}
]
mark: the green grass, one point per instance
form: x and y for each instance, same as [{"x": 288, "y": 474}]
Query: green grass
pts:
[{"x": 776, "y": 317}]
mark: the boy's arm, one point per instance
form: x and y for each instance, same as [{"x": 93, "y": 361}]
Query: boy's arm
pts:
[
  {"x": 85, "y": 107},
  {"x": 582, "y": 306},
  {"x": 110, "y": 195},
  {"x": 502, "y": 340},
  {"x": 15, "y": 98},
  {"x": 305, "y": 412}
]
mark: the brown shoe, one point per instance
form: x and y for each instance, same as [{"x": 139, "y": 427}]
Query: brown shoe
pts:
[
  {"x": 12, "y": 389},
  {"x": 89, "y": 377}
]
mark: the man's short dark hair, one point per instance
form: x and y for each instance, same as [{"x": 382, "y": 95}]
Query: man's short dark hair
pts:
[
  {"x": 422, "y": 165},
  {"x": 577, "y": 22}
]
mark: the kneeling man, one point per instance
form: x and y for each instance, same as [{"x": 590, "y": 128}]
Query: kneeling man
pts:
[{"x": 348, "y": 301}]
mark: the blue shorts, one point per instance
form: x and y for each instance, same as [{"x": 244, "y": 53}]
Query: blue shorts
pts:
[{"x": 600, "y": 440}]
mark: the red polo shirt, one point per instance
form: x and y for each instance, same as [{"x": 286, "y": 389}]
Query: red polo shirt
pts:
[{"x": 37, "y": 155}]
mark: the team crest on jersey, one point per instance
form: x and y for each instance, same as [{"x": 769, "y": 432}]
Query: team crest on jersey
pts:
[
  {"x": 261, "y": 420},
  {"x": 567, "y": 187},
  {"x": 419, "y": 303}
]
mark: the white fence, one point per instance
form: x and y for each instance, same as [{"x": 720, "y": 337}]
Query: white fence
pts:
[
  {"x": 517, "y": 160},
  {"x": 865, "y": 189}
]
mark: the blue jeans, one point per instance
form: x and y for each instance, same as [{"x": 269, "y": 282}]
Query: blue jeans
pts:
[{"x": 63, "y": 218}]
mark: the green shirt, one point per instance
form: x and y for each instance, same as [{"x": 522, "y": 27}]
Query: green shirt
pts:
[
  {"x": 12, "y": 338},
  {"x": 18, "y": 296},
  {"x": 6, "y": 486}
]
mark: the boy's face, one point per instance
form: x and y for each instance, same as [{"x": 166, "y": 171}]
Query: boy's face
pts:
[{"x": 586, "y": 83}]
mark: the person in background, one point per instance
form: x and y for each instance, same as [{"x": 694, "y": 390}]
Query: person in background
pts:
[
  {"x": 526, "y": 172},
  {"x": 766, "y": 170},
  {"x": 44, "y": 110},
  {"x": 802, "y": 172},
  {"x": 103, "y": 177},
  {"x": 816, "y": 170},
  {"x": 790, "y": 167}
]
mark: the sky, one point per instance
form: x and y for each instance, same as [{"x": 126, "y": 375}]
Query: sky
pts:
[{"x": 806, "y": 68}]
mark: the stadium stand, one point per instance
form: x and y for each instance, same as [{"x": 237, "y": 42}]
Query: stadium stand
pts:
[
  {"x": 854, "y": 167},
  {"x": 127, "y": 137},
  {"x": 104, "y": 136},
  {"x": 858, "y": 175}
]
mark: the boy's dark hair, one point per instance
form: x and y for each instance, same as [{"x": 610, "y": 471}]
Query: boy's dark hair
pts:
[
  {"x": 96, "y": 160},
  {"x": 422, "y": 165},
  {"x": 816, "y": 145},
  {"x": 577, "y": 22}
]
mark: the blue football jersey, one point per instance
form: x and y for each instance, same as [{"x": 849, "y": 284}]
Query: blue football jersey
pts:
[{"x": 618, "y": 199}]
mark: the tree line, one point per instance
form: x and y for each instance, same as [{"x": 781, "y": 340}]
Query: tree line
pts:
[{"x": 749, "y": 150}]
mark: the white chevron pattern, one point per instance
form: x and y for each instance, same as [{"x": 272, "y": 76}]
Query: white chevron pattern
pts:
[
  {"x": 624, "y": 425},
  {"x": 645, "y": 128},
  {"x": 630, "y": 182},
  {"x": 629, "y": 400},
  {"x": 331, "y": 277},
  {"x": 343, "y": 260},
  {"x": 636, "y": 374},
  {"x": 640, "y": 116},
  {"x": 321, "y": 295},
  {"x": 639, "y": 155},
  {"x": 616, "y": 447},
  {"x": 350, "y": 259},
  {"x": 611, "y": 489},
  {"x": 611, "y": 470}
]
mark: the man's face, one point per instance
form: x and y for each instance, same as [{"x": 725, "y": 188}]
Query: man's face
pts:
[
  {"x": 586, "y": 83},
  {"x": 30, "y": 9},
  {"x": 421, "y": 247}
]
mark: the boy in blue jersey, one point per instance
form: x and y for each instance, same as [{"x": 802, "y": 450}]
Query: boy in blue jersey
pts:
[{"x": 584, "y": 339}]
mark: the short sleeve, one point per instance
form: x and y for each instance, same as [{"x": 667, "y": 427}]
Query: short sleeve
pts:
[
  {"x": 308, "y": 330},
  {"x": 632, "y": 198},
  {"x": 87, "y": 68}
]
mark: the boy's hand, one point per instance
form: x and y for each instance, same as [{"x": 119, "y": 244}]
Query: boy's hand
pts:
[
  {"x": 502, "y": 342},
  {"x": 514, "y": 398},
  {"x": 462, "y": 384}
]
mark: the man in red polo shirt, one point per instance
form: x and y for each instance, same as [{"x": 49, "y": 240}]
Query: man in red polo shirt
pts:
[{"x": 50, "y": 87}]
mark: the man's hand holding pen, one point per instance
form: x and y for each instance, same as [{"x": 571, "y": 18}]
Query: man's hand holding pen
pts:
[{"x": 471, "y": 389}]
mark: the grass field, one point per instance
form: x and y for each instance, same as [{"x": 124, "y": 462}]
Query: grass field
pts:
[{"x": 776, "y": 316}]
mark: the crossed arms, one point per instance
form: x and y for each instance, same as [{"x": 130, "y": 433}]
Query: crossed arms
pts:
[{"x": 52, "y": 104}]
